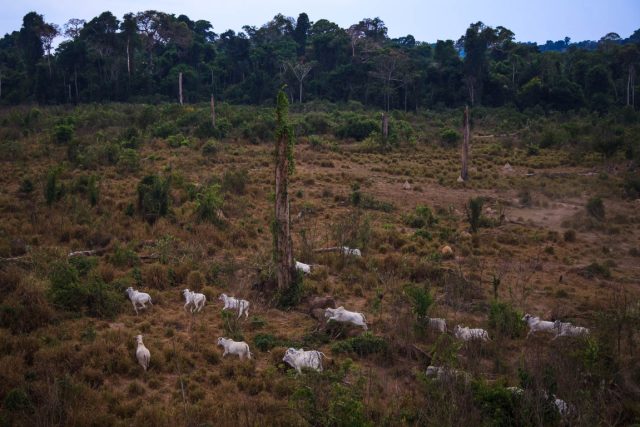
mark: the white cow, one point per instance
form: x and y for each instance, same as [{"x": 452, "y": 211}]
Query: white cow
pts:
[
  {"x": 305, "y": 268},
  {"x": 438, "y": 324},
  {"x": 230, "y": 346},
  {"x": 566, "y": 329},
  {"x": 468, "y": 334},
  {"x": 240, "y": 305},
  {"x": 341, "y": 315},
  {"x": 142, "y": 353},
  {"x": 535, "y": 324},
  {"x": 349, "y": 251},
  {"x": 299, "y": 359},
  {"x": 442, "y": 373},
  {"x": 194, "y": 299},
  {"x": 138, "y": 298}
]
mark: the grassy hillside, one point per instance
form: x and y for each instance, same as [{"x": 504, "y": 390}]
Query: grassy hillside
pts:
[{"x": 166, "y": 202}]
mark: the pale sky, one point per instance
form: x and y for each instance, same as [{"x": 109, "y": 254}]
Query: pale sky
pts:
[{"x": 428, "y": 21}]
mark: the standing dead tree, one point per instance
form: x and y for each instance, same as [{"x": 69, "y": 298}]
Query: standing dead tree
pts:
[
  {"x": 213, "y": 112},
  {"x": 464, "y": 172},
  {"x": 301, "y": 71},
  {"x": 283, "y": 251},
  {"x": 180, "y": 87}
]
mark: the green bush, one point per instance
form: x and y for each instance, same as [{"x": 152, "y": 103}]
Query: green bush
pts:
[
  {"x": 153, "y": 197},
  {"x": 178, "y": 140},
  {"x": 235, "y": 181},
  {"x": 63, "y": 133},
  {"x": 362, "y": 345},
  {"x": 420, "y": 299},
  {"x": 66, "y": 291},
  {"x": 53, "y": 190},
  {"x": 208, "y": 204},
  {"x": 499, "y": 406},
  {"x": 421, "y": 217},
  {"x": 449, "y": 137},
  {"x": 505, "y": 321},
  {"x": 595, "y": 208},
  {"x": 128, "y": 160},
  {"x": 265, "y": 342},
  {"x": 210, "y": 148},
  {"x": 357, "y": 127},
  {"x": 473, "y": 210}
]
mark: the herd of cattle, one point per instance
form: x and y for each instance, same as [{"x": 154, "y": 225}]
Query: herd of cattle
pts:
[{"x": 312, "y": 359}]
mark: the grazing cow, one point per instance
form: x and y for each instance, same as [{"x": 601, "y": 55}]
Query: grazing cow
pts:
[
  {"x": 566, "y": 329},
  {"x": 138, "y": 298},
  {"x": 194, "y": 299},
  {"x": 535, "y": 324},
  {"x": 241, "y": 305},
  {"x": 468, "y": 334},
  {"x": 341, "y": 315},
  {"x": 438, "y": 324},
  {"x": 230, "y": 346},
  {"x": 305, "y": 268},
  {"x": 299, "y": 359},
  {"x": 442, "y": 373},
  {"x": 349, "y": 251},
  {"x": 142, "y": 354}
]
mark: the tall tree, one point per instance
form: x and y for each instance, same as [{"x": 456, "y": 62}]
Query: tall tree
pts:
[
  {"x": 283, "y": 251},
  {"x": 300, "y": 33}
]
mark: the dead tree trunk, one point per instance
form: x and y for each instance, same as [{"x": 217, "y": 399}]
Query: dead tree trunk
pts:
[
  {"x": 385, "y": 126},
  {"x": 283, "y": 252},
  {"x": 465, "y": 146},
  {"x": 213, "y": 112},
  {"x": 180, "y": 87}
]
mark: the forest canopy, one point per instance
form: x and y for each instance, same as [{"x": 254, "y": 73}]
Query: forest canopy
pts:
[{"x": 138, "y": 59}]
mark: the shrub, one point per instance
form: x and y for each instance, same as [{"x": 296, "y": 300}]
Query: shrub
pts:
[
  {"x": 53, "y": 190},
  {"x": 421, "y": 217},
  {"x": 420, "y": 299},
  {"x": 66, "y": 291},
  {"x": 63, "y": 133},
  {"x": 177, "y": 141},
  {"x": 235, "y": 181},
  {"x": 569, "y": 236},
  {"x": 595, "y": 270},
  {"x": 265, "y": 342},
  {"x": 473, "y": 210},
  {"x": 210, "y": 148},
  {"x": 128, "y": 160},
  {"x": 130, "y": 138},
  {"x": 26, "y": 309},
  {"x": 631, "y": 186},
  {"x": 357, "y": 127},
  {"x": 153, "y": 197},
  {"x": 362, "y": 345},
  {"x": 26, "y": 186},
  {"x": 449, "y": 137},
  {"x": 595, "y": 208},
  {"x": 505, "y": 321},
  {"x": 208, "y": 204}
]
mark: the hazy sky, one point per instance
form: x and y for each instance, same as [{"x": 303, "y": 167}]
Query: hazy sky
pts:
[{"x": 429, "y": 21}]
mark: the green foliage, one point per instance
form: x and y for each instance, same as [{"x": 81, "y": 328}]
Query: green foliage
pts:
[
  {"x": 505, "y": 321},
  {"x": 63, "y": 133},
  {"x": 499, "y": 406},
  {"x": 17, "y": 400},
  {"x": 265, "y": 342},
  {"x": 26, "y": 186},
  {"x": 53, "y": 189},
  {"x": 473, "y": 210},
  {"x": 290, "y": 297},
  {"x": 421, "y": 217},
  {"x": 128, "y": 160},
  {"x": 153, "y": 197},
  {"x": 595, "y": 208},
  {"x": 178, "y": 140},
  {"x": 420, "y": 299},
  {"x": 449, "y": 137},
  {"x": 363, "y": 345},
  {"x": 284, "y": 133},
  {"x": 210, "y": 148},
  {"x": 235, "y": 181},
  {"x": 208, "y": 204},
  {"x": 69, "y": 293},
  {"x": 356, "y": 126}
]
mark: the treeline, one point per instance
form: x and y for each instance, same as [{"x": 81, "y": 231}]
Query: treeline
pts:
[{"x": 139, "y": 59}]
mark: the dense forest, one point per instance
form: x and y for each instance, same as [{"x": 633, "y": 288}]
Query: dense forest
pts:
[{"x": 139, "y": 59}]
